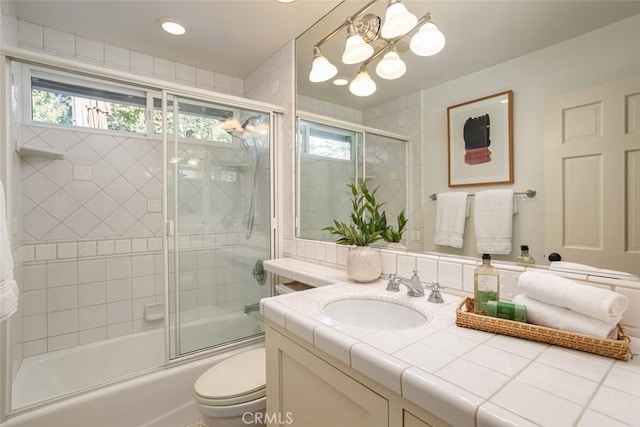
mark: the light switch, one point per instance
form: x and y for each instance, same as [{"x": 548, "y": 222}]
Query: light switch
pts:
[{"x": 82, "y": 173}]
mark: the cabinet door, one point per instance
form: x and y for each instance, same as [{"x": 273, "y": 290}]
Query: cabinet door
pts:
[
  {"x": 307, "y": 391},
  {"x": 410, "y": 420}
]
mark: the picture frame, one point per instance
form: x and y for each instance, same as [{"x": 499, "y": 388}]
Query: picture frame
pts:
[{"x": 480, "y": 141}]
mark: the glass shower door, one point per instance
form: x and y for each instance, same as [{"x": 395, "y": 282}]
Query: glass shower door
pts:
[
  {"x": 218, "y": 205},
  {"x": 327, "y": 162}
]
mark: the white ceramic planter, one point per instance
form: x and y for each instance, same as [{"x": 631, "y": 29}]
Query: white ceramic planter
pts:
[{"x": 363, "y": 264}]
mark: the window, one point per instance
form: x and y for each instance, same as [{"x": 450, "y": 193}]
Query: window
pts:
[
  {"x": 59, "y": 101},
  {"x": 196, "y": 120},
  {"x": 324, "y": 141},
  {"x": 63, "y": 98}
]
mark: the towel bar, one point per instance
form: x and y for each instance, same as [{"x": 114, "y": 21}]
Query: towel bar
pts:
[{"x": 528, "y": 193}]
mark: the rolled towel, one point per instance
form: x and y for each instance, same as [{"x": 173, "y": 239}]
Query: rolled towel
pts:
[
  {"x": 601, "y": 304},
  {"x": 552, "y": 316}
]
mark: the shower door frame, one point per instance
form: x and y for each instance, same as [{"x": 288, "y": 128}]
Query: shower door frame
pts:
[
  {"x": 170, "y": 225},
  {"x": 8, "y": 53},
  {"x": 359, "y": 160}
]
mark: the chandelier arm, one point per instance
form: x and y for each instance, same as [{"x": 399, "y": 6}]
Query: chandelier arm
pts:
[{"x": 348, "y": 21}]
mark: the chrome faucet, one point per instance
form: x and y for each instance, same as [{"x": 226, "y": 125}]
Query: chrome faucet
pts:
[
  {"x": 251, "y": 307},
  {"x": 413, "y": 285}
]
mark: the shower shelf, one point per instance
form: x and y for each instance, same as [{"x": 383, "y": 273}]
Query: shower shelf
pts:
[
  {"x": 153, "y": 312},
  {"x": 44, "y": 152}
]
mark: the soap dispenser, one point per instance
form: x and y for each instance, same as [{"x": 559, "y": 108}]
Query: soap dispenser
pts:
[
  {"x": 486, "y": 284},
  {"x": 524, "y": 257}
]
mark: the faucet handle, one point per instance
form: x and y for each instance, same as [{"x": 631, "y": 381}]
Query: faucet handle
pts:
[
  {"x": 394, "y": 284},
  {"x": 435, "y": 295}
]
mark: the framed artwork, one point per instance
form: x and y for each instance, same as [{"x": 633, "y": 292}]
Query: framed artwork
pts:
[{"x": 481, "y": 141}]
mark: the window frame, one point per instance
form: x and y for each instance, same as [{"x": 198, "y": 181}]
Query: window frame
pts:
[{"x": 30, "y": 71}]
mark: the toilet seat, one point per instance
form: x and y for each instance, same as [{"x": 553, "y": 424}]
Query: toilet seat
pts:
[{"x": 236, "y": 380}]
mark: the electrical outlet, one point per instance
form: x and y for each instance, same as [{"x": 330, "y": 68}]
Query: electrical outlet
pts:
[{"x": 82, "y": 173}]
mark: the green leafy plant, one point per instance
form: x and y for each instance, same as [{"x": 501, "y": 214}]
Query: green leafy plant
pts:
[
  {"x": 391, "y": 234},
  {"x": 368, "y": 222}
]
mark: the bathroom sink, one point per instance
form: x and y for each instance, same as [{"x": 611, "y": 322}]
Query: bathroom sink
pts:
[{"x": 375, "y": 313}]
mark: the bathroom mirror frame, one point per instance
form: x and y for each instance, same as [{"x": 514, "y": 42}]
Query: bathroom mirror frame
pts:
[{"x": 432, "y": 76}]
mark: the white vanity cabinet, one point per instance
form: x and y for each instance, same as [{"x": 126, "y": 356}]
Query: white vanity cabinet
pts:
[{"x": 309, "y": 388}]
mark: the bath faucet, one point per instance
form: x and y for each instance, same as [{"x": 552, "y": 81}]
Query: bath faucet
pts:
[
  {"x": 252, "y": 307},
  {"x": 413, "y": 285}
]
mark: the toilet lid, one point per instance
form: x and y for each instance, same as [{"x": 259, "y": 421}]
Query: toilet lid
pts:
[{"x": 238, "y": 379}]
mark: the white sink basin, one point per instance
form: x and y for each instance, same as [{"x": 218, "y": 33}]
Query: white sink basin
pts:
[{"x": 375, "y": 314}]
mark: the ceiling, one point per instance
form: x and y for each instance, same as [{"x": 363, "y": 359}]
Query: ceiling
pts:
[
  {"x": 234, "y": 37},
  {"x": 231, "y": 37}
]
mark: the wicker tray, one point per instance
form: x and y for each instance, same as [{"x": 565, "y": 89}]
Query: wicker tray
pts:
[{"x": 618, "y": 349}]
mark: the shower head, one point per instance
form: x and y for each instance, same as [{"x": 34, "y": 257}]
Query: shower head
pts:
[
  {"x": 254, "y": 124},
  {"x": 233, "y": 127},
  {"x": 250, "y": 119}
]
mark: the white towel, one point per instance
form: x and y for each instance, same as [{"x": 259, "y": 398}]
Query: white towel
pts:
[
  {"x": 8, "y": 286},
  {"x": 602, "y": 304},
  {"x": 452, "y": 211},
  {"x": 552, "y": 316},
  {"x": 493, "y": 220}
]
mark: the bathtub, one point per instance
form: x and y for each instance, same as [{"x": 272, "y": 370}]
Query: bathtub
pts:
[{"x": 139, "y": 391}]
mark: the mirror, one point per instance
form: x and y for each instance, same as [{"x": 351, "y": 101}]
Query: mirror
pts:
[{"x": 537, "y": 49}]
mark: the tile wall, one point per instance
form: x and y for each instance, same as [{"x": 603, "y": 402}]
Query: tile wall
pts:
[{"x": 328, "y": 109}]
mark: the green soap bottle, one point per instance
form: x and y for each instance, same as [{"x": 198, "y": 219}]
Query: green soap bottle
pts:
[{"x": 486, "y": 284}]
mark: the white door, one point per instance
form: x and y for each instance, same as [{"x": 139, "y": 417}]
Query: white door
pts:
[{"x": 592, "y": 175}]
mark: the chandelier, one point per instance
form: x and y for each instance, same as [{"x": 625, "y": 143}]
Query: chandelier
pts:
[{"x": 362, "y": 30}]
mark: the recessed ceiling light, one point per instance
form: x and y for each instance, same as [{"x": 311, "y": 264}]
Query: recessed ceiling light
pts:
[
  {"x": 285, "y": 1},
  {"x": 341, "y": 81},
  {"x": 172, "y": 26}
]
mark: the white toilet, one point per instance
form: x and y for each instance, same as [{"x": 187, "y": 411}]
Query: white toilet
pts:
[{"x": 233, "y": 392}]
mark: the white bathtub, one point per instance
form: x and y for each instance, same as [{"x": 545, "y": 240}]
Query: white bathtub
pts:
[{"x": 160, "y": 397}]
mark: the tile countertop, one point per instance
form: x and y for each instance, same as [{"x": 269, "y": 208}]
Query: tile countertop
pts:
[{"x": 464, "y": 376}]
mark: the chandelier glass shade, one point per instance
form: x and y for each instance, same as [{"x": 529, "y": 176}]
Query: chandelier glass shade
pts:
[
  {"x": 321, "y": 69},
  {"x": 363, "y": 84},
  {"x": 391, "y": 66},
  {"x": 356, "y": 49},
  {"x": 428, "y": 40},
  {"x": 398, "y": 21}
]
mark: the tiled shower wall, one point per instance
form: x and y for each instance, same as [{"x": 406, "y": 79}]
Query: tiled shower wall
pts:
[
  {"x": 325, "y": 195},
  {"x": 91, "y": 243}
]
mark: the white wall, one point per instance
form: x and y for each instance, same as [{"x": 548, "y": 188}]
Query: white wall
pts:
[{"x": 607, "y": 54}]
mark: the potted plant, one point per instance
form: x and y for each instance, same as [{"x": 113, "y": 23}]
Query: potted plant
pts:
[
  {"x": 368, "y": 223},
  {"x": 391, "y": 235}
]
